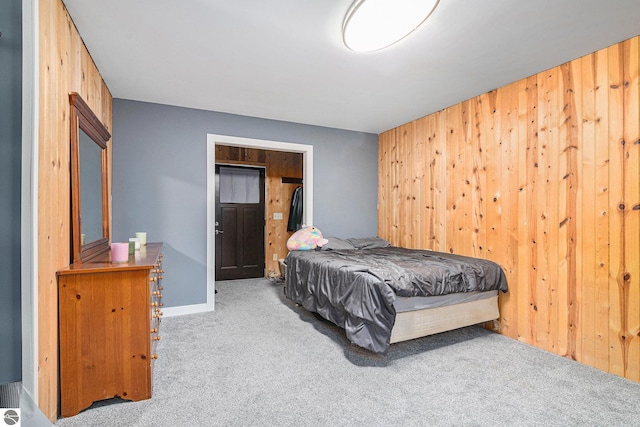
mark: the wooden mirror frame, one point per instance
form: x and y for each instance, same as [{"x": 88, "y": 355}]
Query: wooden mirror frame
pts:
[{"x": 83, "y": 118}]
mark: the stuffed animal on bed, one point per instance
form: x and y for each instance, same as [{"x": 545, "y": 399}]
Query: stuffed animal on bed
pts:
[{"x": 306, "y": 239}]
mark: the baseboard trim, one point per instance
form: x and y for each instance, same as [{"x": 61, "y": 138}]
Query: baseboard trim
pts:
[{"x": 184, "y": 309}]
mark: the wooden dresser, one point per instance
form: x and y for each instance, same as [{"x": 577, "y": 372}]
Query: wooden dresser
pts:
[{"x": 109, "y": 319}]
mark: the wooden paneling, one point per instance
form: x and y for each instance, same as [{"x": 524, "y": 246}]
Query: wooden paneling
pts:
[
  {"x": 65, "y": 66},
  {"x": 542, "y": 176},
  {"x": 278, "y": 198}
]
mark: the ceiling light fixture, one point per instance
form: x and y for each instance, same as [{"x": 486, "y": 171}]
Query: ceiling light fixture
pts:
[{"x": 375, "y": 24}]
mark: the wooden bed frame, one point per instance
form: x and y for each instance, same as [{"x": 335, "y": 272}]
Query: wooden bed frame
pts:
[{"x": 429, "y": 321}]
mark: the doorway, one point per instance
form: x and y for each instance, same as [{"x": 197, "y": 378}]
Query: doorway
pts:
[
  {"x": 212, "y": 141},
  {"x": 239, "y": 225}
]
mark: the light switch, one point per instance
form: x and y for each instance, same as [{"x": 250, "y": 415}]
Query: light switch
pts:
[{"x": 277, "y": 215}]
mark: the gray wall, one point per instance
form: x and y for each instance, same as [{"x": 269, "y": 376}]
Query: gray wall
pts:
[
  {"x": 160, "y": 172},
  {"x": 10, "y": 179}
]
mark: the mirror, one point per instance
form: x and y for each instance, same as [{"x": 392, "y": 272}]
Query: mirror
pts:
[{"x": 89, "y": 187}]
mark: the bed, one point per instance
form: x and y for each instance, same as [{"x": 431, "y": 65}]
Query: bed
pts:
[{"x": 382, "y": 294}]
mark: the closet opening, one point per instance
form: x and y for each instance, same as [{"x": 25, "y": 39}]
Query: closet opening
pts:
[{"x": 286, "y": 166}]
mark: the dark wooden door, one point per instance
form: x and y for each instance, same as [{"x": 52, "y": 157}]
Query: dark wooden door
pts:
[{"x": 240, "y": 228}]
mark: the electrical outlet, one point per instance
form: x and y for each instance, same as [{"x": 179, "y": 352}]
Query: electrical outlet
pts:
[{"x": 275, "y": 257}]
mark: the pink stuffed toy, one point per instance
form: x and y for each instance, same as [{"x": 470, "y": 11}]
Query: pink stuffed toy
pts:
[{"x": 306, "y": 239}]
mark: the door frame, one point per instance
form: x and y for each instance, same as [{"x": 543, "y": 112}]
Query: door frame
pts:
[{"x": 307, "y": 194}]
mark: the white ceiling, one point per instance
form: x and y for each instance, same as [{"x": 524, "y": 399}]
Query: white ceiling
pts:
[{"x": 284, "y": 59}]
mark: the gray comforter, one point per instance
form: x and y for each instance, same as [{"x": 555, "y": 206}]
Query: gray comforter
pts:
[{"x": 355, "y": 289}]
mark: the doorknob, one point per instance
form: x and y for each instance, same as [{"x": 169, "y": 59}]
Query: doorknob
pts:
[{"x": 219, "y": 231}]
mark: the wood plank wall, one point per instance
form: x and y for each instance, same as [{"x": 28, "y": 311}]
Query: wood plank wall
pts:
[
  {"x": 542, "y": 176},
  {"x": 278, "y": 198},
  {"x": 65, "y": 66}
]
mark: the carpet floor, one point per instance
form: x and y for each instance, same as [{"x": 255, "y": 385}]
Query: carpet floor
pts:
[{"x": 260, "y": 360}]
